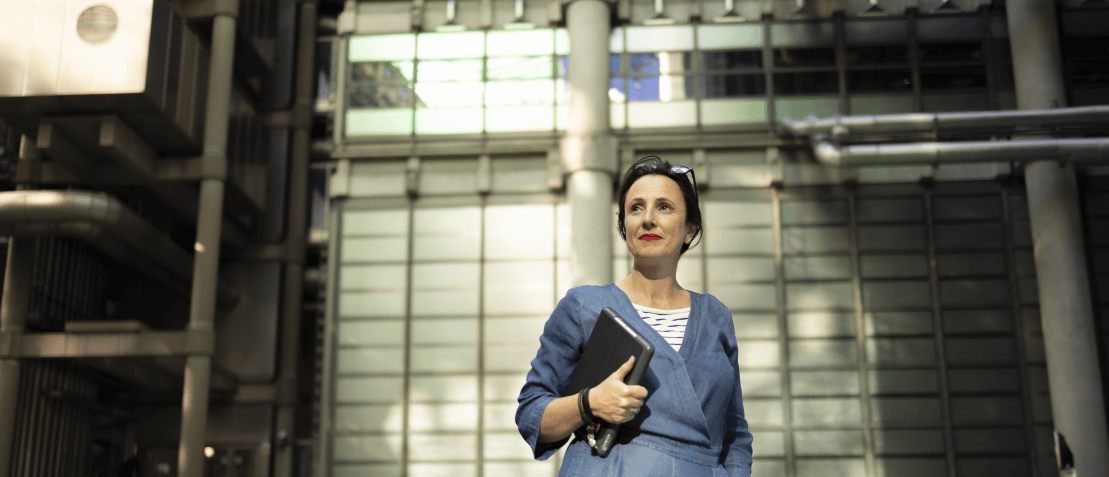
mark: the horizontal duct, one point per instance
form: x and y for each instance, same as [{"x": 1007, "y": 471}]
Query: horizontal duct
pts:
[
  {"x": 935, "y": 153},
  {"x": 842, "y": 128},
  {"x": 107, "y": 224}
]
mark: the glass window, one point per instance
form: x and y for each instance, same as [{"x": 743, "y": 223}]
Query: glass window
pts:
[
  {"x": 660, "y": 88},
  {"x": 382, "y": 72},
  {"x": 817, "y": 82},
  {"x": 449, "y": 70},
  {"x": 730, "y": 86},
  {"x": 469, "y": 44},
  {"x": 519, "y": 42},
  {"x": 729, "y": 36},
  {"x": 519, "y": 68},
  {"x": 732, "y": 60},
  {"x": 380, "y": 85},
  {"x": 955, "y": 77},
  {"x": 520, "y": 92},
  {"x": 879, "y": 80},
  {"x": 449, "y": 95},
  {"x": 382, "y": 47},
  {"x": 804, "y": 57},
  {"x": 660, "y": 38},
  {"x": 950, "y": 52},
  {"x": 877, "y": 55}
]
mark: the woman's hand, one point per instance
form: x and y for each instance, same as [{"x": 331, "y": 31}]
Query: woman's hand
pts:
[{"x": 614, "y": 401}]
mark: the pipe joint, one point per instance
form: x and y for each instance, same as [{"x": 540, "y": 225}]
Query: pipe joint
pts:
[{"x": 213, "y": 166}]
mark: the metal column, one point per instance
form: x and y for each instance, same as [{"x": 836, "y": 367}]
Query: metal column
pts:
[
  {"x": 13, "y": 315},
  {"x": 198, "y": 369},
  {"x": 296, "y": 223},
  {"x": 589, "y": 148},
  {"x": 1065, "y": 304}
]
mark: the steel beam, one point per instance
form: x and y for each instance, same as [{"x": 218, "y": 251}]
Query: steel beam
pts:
[{"x": 13, "y": 313}]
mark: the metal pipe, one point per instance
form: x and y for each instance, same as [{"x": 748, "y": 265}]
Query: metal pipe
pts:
[
  {"x": 589, "y": 149},
  {"x": 13, "y": 314},
  {"x": 108, "y": 225},
  {"x": 295, "y": 235},
  {"x": 936, "y": 153},
  {"x": 198, "y": 369},
  {"x": 843, "y": 127},
  {"x": 1074, "y": 377}
]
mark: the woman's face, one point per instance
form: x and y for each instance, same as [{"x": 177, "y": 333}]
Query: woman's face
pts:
[{"x": 654, "y": 218}]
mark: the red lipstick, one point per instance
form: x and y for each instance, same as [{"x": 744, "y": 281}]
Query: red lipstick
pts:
[{"x": 649, "y": 237}]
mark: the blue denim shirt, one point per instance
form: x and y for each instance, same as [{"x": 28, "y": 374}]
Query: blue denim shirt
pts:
[{"x": 691, "y": 423}]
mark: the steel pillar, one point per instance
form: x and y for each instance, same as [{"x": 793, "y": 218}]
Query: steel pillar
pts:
[
  {"x": 296, "y": 229},
  {"x": 1077, "y": 404},
  {"x": 589, "y": 148},
  {"x": 202, "y": 309}
]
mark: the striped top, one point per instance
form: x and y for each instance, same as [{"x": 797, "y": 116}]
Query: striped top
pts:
[{"x": 668, "y": 323}]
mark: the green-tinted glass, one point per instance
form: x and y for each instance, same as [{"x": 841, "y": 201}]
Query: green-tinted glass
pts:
[
  {"x": 520, "y": 67},
  {"x": 382, "y": 48},
  {"x": 449, "y": 70},
  {"x": 519, "y": 42}
]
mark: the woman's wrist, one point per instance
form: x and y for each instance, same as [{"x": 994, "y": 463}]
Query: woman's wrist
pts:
[{"x": 584, "y": 409}]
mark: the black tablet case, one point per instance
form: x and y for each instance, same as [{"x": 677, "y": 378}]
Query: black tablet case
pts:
[{"x": 609, "y": 346}]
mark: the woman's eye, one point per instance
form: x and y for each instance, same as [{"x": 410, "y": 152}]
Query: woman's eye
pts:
[{"x": 664, "y": 207}]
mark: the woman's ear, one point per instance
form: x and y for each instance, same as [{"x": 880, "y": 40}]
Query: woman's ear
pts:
[{"x": 691, "y": 233}]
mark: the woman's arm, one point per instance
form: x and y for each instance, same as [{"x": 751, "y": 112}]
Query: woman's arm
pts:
[{"x": 737, "y": 436}]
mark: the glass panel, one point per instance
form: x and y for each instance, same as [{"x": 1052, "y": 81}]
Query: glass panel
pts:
[
  {"x": 909, "y": 441},
  {"x": 885, "y": 104},
  {"x": 470, "y": 44},
  {"x": 616, "y": 40},
  {"x": 521, "y": 231},
  {"x": 950, "y": 52},
  {"x": 449, "y": 121},
  {"x": 509, "y": 119},
  {"x": 821, "y": 324},
  {"x": 813, "y": 82},
  {"x": 804, "y": 57},
  {"x": 732, "y": 60},
  {"x": 660, "y": 88},
  {"x": 828, "y": 443},
  {"x": 953, "y": 27},
  {"x": 449, "y": 95},
  {"x": 520, "y": 93},
  {"x": 889, "y": 409},
  {"x": 908, "y": 381},
  {"x": 658, "y": 114},
  {"x": 660, "y": 38},
  {"x": 379, "y": 122},
  {"x": 719, "y": 112},
  {"x": 802, "y": 33},
  {"x": 448, "y": 176},
  {"x": 840, "y": 352},
  {"x": 376, "y": 332},
  {"x": 807, "y": 412},
  {"x": 562, "y": 41},
  {"x": 823, "y": 383},
  {"x": 378, "y": 448},
  {"x": 447, "y": 234},
  {"x": 879, "y": 80},
  {"x": 450, "y": 70},
  {"x": 377, "y": 95},
  {"x": 877, "y": 55},
  {"x": 953, "y": 77},
  {"x": 518, "y": 67},
  {"x": 519, "y": 42},
  {"x": 369, "y": 418},
  {"x": 733, "y": 86},
  {"x": 520, "y": 288},
  {"x": 862, "y": 31},
  {"x": 383, "y": 71},
  {"x": 382, "y": 47},
  {"x": 728, "y": 36}
]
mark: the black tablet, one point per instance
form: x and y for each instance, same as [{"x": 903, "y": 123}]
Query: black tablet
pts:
[{"x": 609, "y": 346}]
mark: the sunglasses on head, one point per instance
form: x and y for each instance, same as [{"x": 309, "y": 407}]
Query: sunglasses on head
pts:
[{"x": 675, "y": 170}]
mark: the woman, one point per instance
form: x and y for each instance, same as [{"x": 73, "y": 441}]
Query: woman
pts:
[{"x": 686, "y": 416}]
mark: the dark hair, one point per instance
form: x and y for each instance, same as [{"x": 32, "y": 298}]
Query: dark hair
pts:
[{"x": 656, "y": 165}]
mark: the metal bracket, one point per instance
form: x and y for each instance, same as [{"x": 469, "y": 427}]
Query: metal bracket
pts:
[{"x": 117, "y": 344}]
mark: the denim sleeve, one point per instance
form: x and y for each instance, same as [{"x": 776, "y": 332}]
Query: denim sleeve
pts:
[
  {"x": 559, "y": 350},
  {"x": 737, "y": 437}
]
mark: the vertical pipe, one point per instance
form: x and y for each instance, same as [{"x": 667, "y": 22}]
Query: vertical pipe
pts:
[
  {"x": 202, "y": 309},
  {"x": 13, "y": 315},
  {"x": 295, "y": 232},
  {"x": 1077, "y": 405},
  {"x": 589, "y": 149}
]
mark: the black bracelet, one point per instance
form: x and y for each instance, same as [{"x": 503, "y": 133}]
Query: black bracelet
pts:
[{"x": 583, "y": 407}]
